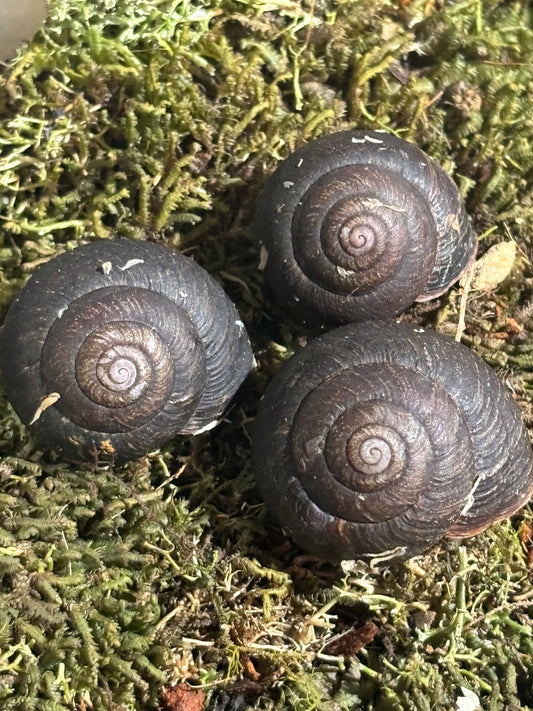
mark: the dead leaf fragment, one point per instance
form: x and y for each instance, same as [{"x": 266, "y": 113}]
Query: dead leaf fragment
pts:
[
  {"x": 493, "y": 267},
  {"x": 182, "y": 698},
  {"x": 352, "y": 642}
]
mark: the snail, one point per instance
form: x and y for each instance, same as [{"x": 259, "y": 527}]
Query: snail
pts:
[
  {"x": 117, "y": 346},
  {"x": 378, "y": 440},
  {"x": 358, "y": 225}
]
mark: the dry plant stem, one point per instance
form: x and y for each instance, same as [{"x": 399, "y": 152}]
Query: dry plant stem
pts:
[{"x": 461, "y": 324}]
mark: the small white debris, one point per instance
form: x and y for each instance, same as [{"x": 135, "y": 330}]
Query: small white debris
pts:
[
  {"x": 470, "y": 497},
  {"x": 183, "y": 294},
  {"x": 206, "y": 428},
  {"x": 106, "y": 267},
  {"x": 239, "y": 325},
  {"x": 47, "y": 402},
  {"x": 61, "y": 312},
  {"x": 366, "y": 137},
  {"x": 300, "y": 162},
  {"x": 376, "y": 560},
  {"x": 131, "y": 263},
  {"x": 418, "y": 330},
  {"x": 469, "y": 701},
  {"x": 349, "y": 566},
  {"x": 371, "y": 139},
  {"x": 288, "y": 184},
  {"x": 263, "y": 258}
]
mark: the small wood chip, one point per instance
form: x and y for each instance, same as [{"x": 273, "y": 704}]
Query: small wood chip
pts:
[{"x": 48, "y": 401}]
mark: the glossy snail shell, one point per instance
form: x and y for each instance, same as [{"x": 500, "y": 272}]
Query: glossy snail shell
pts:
[
  {"x": 358, "y": 225},
  {"x": 117, "y": 346},
  {"x": 380, "y": 439}
]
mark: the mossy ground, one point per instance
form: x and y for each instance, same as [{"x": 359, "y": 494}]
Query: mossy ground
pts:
[{"x": 161, "y": 119}]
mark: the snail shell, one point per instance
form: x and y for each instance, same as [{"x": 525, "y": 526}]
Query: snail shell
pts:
[
  {"x": 117, "y": 346},
  {"x": 360, "y": 224},
  {"x": 381, "y": 439}
]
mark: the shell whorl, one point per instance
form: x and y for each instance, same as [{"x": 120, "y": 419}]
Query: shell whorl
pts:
[
  {"x": 138, "y": 342},
  {"x": 359, "y": 225},
  {"x": 378, "y": 438}
]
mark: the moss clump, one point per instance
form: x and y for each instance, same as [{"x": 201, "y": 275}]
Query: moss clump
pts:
[
  {"x": 85, "y": 558},
  {"x": 161, "y": 120}
]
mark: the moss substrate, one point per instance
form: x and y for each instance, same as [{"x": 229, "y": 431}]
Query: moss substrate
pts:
[{"x": 162, "y": 119}]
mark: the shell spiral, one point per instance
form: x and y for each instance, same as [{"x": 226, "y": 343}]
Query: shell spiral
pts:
[
  {"x": 359, "y": 225},
  {"x": 380, "y": 439},
  {"x": 117, "y": 346}
]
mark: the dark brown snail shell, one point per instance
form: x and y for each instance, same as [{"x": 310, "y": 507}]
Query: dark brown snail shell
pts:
[
  {"x": 138, "y": 341},
  {"x": 358, "y": 225},
  {"x": 380, "y": 439}
]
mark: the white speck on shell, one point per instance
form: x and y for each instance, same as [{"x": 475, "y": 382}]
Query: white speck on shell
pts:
[
  {"x": 207, "y": 427},
  {"x": 131, "y": 263},
  {"x": 366, "y": 137},
  {"x": 470, "y": 497},
  {"x": 263, "y": 258}
]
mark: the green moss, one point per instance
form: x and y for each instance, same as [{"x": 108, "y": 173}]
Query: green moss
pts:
[{"x": 161, "y": 119}]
